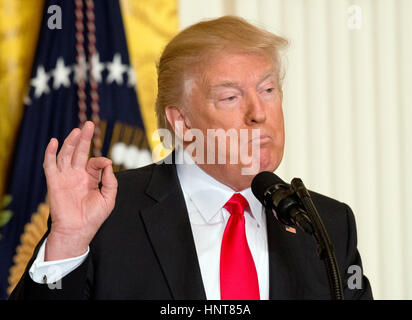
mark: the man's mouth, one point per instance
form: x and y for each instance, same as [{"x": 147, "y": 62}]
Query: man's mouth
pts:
[{"x": 262, "y": 139}]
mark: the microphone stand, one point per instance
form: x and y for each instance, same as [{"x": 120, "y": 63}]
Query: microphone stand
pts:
[{"x": 326, "y": 250}]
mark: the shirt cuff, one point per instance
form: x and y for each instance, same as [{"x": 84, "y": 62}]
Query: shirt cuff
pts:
[{"x": 52, "y": 271}]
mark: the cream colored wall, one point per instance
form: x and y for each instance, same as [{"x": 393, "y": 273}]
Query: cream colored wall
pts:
[{"x": 347, "y": 104}]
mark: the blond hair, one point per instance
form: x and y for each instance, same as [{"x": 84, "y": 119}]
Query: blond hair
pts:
[{"x": 191, "y": 47}]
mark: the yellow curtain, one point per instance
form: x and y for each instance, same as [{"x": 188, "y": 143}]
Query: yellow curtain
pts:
[
  {"x": 19, "y": 27},
  {"x": 149, "y": 25}
]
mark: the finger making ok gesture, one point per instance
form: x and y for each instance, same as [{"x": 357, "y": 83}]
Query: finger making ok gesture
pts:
[{"x": 78, "y": 207}]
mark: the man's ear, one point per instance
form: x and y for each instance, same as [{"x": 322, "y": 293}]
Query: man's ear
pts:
[{"x": 177, "y": 120}]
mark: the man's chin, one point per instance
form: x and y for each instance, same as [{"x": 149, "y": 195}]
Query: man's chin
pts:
[
  {"x": 258, "y": 166},
  {"x": 267, "y": 167}
]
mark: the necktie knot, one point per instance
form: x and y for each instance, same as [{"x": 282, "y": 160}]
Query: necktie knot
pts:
[{"x": 236, "y": 204}]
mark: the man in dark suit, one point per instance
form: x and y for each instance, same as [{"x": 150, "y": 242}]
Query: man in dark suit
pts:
[{"x": 191, "y": 229}]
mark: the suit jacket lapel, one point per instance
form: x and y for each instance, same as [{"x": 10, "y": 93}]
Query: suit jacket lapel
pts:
[{"x": 168, "y": 227}]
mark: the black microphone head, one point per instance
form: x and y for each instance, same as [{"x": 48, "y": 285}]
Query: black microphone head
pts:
[{"x": 262, "y": 181}]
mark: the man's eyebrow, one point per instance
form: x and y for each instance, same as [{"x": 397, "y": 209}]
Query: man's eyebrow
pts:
[
  {"x": 234, "y": 84},
  {"x": 228, "y": 84},
  {"x": 266, "y": 75}
]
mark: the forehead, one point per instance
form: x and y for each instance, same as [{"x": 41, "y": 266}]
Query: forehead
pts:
[{"x": 228, "y": 68}]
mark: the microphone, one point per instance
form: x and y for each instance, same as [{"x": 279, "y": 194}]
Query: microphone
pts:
[
  {"x": 278, "y": 197},
  {"x": 292, "y": 205}
]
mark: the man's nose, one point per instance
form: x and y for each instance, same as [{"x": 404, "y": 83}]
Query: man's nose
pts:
[{"x": 255, "y": 112}]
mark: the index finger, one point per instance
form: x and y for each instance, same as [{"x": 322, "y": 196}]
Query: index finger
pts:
[{"x": 81, "y": 153}]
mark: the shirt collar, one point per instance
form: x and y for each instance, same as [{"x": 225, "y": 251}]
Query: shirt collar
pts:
[{"x": 209, "y": 195}]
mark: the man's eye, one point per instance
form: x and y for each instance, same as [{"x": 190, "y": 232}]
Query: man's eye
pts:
[
  {"x": 270, "y": 90},
  {"x": 231, "y": 98}
]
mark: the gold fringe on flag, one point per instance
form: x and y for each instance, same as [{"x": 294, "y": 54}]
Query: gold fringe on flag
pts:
[{"x": 33, "y": 232}]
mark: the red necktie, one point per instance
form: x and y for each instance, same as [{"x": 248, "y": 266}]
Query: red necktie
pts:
[{"x": 238, "y": 276}]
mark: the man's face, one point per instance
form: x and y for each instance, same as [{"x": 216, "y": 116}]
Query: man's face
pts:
[{"x": 238, "y": 91}]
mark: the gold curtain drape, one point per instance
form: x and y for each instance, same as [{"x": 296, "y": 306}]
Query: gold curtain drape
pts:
[
  {"x": 19, "y": 27},
  {"x": 149, "y": 25}
]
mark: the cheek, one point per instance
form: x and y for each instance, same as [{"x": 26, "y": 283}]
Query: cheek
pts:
[
  {"x": 203, "y": 117},
  {"x": 275, "y": 122},
  {"x": 221, "y": 120},
  {"x": 279, "y": 138},
  {"x": 275, "y": 153}
]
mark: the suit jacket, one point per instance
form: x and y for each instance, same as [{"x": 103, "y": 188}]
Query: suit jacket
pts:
[{"x": 146, "y": 250}]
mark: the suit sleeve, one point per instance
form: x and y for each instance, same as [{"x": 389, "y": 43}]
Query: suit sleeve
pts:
[
  {"x": 73, "y": 286},
  {"x": 356, "y": 285}
]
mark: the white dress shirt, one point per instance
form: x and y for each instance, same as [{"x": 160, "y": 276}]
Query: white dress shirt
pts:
[{"x": 205, "y": 198}]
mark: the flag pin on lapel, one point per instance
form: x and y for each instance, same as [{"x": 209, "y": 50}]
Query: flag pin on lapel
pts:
[{"x": 290, "y": 229}]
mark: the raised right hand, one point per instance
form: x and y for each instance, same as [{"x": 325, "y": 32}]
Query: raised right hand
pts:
[{"x": 77, "y": 206}]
